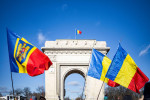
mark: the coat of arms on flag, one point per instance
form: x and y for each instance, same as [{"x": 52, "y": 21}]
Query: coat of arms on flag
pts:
[{"x": 24, "y": 57}]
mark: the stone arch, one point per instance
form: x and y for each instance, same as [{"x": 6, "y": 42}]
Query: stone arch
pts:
[
  {"x": 70, "y": 56},
  {"x": 66, "y": 69},
  {"x": 74, "y": 70}
]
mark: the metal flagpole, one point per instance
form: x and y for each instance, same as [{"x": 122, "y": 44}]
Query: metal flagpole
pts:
[
  {"x": 87, "y": 69},
  {"x": 75, "y": 32},
  {"x": 12, "y": 83},
  {"x": 102, "y": 84},
  {"x": 100, "y": 89},
  {"x": 9, "y": 65}
]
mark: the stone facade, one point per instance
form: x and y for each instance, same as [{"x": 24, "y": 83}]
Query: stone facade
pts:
[{"x": 71, "y": 56}]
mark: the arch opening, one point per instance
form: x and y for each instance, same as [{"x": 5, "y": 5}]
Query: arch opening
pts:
[{"x": 74, "y": 82}]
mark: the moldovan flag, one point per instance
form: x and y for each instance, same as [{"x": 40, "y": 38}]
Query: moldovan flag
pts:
[
  {"x": 125, "y": 72},
  {"x": 24, "y": 57},
  {"x": 98, "y": 67}
]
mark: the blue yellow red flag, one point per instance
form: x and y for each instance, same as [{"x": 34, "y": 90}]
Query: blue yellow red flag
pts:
[
  {"x": 98, "y": 67},
  {"x": 78, "y": 32},
  {"x": 124, "y": 71},
  {"x": 25, "y": 57}
]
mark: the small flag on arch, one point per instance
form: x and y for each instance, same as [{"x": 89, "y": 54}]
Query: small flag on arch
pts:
[
  {"x": 25, "y": 57},
  {"x": 78, "y": 32},
  {"x": 125, "y": 72}
]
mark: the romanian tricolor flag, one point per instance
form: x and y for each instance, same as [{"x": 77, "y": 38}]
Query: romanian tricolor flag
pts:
[
  {"x": 98, "y": 67},
  {"x": 78, "y": 32},
  {"x": 24, "y": 57},
  {"x": 125, "y": 72}
]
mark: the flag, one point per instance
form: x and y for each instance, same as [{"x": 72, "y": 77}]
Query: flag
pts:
[
  {"x": 98, "y": 67},
  {"x": 78, "y": 32},
  {"x": 125, "y": 72},
  {"x": 25, "y": 57}
]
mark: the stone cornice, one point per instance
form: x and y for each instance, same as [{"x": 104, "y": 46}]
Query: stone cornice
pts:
[{"x": 74, "y": 47}]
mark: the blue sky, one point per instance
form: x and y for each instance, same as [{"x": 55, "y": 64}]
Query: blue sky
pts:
[
  {"x": 74, "y": 84},
  {"x": 41, "y": 20}
]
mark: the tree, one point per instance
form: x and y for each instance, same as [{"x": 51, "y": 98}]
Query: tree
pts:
[
  {"x": 37, "y": 95},
  {"x": 0, "y": 94},
  {"x": 10, "y": 92},
  {"x": 27, "y": 92},
  {"x": 78, "y": 98},
  {"x": 141, "y": 92},
  {"x": 67, "y": 98},
  {"x": 41, "y": 90},
  {"x": 119, "y": 93},
  {"x": 18, "y": 92}
]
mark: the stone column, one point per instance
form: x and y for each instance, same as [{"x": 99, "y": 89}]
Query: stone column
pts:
[{"x": 50, "y": 83}]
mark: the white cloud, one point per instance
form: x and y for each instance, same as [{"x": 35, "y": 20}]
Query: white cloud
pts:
[
  {"x": 74, "y": 83},
  {"x": 74, "y": 91},
  {"x": 67, "y": 89},
  {"x": 144, "y": 51},
  {"x": 41, "y": 38}
]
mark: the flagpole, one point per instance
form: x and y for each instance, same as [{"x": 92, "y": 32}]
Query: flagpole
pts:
[
  {"x": 10, "y": 67},
  {"x": 12, "y": 84},
  {"x": 88, "y": 67},
  {"x": 75, "y": 33},
  {"x": 100, "y": 89}
]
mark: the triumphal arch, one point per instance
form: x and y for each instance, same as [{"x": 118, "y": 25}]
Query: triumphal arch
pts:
[{"x": 71, "y": 56}]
